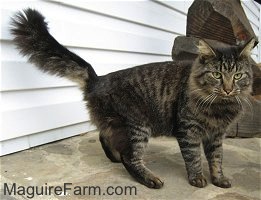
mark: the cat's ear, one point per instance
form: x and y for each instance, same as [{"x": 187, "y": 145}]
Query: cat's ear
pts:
[
  {"x": 205, "y": 50},
  {"x": 246, "y": 50}
]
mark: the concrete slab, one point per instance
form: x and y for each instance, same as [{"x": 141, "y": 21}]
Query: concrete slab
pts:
[{"x": 80, "y": 162}]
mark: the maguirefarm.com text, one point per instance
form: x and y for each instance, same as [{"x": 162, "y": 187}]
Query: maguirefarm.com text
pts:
[{"x": 67, "y": 189}]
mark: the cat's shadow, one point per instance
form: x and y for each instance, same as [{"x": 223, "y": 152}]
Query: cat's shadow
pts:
[
  {"x": 164, "y": 161},
  {"x": 168, "y": 162}
]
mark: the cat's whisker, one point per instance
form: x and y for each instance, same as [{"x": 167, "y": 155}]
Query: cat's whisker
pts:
[
  {"x": 202, "y": 102},
  {"x": 250, "y": 106},
  {"x": 209, "y": 102},
  {"x": 198, "y": 103},
  {"x": 213, "y": 99},
  {"x": 193, "y": 93},
  {"x": 215, "y": 90},
  {"x": 229, "y": 119},
  {"x": 239, "y": 102},
  {"x": 196, "y": 90},
  {"x": 206, "y": 101}
]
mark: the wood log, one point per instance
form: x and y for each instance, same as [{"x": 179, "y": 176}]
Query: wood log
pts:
[
  {"x": 257, "y": 79},
  {"x": 185, "y": 47},
  {"x": 249, "y": 125},
  {"x": 221, "y": 20}
]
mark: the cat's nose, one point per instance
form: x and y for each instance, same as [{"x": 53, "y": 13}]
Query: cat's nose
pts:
[{"x": 228, "y": 90}]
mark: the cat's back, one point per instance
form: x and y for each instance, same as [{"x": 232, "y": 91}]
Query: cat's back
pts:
[{"x": 148, "y": 78}]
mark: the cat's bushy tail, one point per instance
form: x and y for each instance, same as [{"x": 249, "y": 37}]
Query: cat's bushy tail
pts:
[{"x": 34, "y": 40}]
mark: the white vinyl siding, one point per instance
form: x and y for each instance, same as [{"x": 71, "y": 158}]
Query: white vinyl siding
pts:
[
  {"x": 37, "y": 108},
  {"x": 252, "y": 10}
]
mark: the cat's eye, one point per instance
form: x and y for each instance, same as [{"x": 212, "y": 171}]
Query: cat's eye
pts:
[
  {"x": 217, "y": 75},
  {"x": 238, "y": 76}
]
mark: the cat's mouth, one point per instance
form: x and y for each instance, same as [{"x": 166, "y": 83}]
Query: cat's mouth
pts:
[
  {"x": 222, "y": 96},
  {"x": 227, "y": 98},
  {"x": 227, "y": 94}
]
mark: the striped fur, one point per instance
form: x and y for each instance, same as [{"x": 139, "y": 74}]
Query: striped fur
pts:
[
  {"x": 34, "y": 40},
  {"x": 193, "y": 102}
]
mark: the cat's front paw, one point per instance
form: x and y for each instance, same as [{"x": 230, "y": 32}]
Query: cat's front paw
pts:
[
  {"x": 198, "y": 181},
  {"x": 222, "y": 182},
  {"x": 153, "y": 182}
]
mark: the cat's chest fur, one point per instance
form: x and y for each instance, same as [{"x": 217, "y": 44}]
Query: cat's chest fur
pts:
[{"x": 210, "y": 120}]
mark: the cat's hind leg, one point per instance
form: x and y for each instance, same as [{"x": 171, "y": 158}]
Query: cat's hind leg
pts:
[
  {"x": 107, "y": 141},
  {"x": 126, "y": 144},
  {"x": 132, "y": 157}
]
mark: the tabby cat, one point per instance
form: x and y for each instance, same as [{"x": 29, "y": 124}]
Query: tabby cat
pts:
[{"x": 195, "y": 103}]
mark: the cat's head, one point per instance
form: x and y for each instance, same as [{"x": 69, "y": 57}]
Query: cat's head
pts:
[{"x": 223, "y": 73}]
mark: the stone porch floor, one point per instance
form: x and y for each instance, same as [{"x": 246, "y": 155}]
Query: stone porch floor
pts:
[{"x": 80, "y": 161}]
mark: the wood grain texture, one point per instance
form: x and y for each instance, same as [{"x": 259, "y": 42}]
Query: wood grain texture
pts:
[
  {"x": 250, "y": 123},
  {"x": 223, "y": 21}
]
